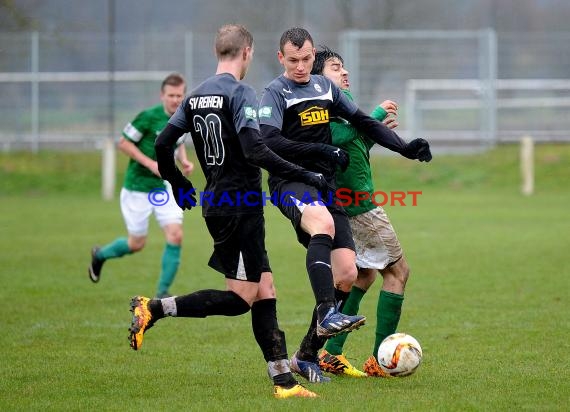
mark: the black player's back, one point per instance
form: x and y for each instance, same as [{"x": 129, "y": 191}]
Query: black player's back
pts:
[{"x": 213, "y": 113}]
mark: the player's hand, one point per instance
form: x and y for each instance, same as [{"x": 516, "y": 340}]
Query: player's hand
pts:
[
  {"x": 153, "y": 167},
  {"x": 390, "y": 106},
  {"x": 187, "y": 167},
  {"x": 391, "y": 122},
  {"x": 316, "y": 180},
  {"x": 418, "y": 149},
  {"x": 339, "y": 156},
  {"x": 184, "y": 193}
]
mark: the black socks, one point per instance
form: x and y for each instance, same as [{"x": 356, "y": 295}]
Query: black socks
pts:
[
  {"x": 210, "y": 302},
  {"x": 319, "y": 268}
]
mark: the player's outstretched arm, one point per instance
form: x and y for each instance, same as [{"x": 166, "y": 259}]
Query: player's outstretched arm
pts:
[{"x": 417, "y": 149}]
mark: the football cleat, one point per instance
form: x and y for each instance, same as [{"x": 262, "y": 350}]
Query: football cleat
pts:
[
  {"x": 141, "y": 322},
  {"x": 336, "y": 322},
  {"x": 308, "y": 370},
  {"x": 297, "y": 391},
  {"x": 338, "y": 365},
  {"x": 96, "y": 265},
  {"x": 372, "y": 368}
]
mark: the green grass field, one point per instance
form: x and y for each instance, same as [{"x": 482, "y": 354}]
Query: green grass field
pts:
[{"x": 488, "y": 297}]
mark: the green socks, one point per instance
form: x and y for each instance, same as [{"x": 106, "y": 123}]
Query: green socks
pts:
[
  {"x": 388, "y": 314},
  {"x": 334, "y": 345},
  {"x": 119, "y": 247},
  {"x": 170, "y": 262}
]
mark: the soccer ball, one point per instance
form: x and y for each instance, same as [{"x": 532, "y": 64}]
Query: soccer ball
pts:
[{"x": 399, "y": 354}]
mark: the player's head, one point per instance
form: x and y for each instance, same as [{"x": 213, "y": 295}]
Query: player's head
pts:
[
  {"x": 234, "y": 43},
  {"x": 172, "y": 92},
  {"x": 331, "y": 64},
  {"x": 296, "y": 54}
]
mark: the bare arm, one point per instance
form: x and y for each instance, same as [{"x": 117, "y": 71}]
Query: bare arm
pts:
[
  {"x": 131, "y": 150},
  {"x": 187, "y": 165}
]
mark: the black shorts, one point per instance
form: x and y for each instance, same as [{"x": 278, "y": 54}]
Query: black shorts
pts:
[
  {"x": 285, "y": 196},
  {"x": 233, "y": 235}
]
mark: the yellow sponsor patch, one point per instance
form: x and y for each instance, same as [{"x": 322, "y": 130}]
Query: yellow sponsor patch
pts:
[{"x": 314, "y": 115}]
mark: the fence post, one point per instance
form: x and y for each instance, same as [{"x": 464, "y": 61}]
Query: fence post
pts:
[
  {"x": 35, "y": 87},
  {"x": 527, "y": 165},
  {"x": 108, "y": 169}
]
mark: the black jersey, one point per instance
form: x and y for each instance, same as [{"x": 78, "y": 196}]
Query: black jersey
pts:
[
  {"x": 302, "y": 112},
  {"x": 214, "y": 113}
]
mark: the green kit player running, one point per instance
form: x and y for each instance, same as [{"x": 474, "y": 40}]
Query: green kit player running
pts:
[
  {"x": 144, "y": 192},
  {"x": 377, "y": 246}
]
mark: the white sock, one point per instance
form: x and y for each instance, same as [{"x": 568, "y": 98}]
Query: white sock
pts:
[
  {"x": 169, "y": 306},
  {"x": 278, "y": 367}
]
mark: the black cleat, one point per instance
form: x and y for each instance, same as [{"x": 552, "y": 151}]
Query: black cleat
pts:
[{"x": 96, "y": 265}]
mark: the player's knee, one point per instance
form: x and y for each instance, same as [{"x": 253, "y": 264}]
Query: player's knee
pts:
[
  {"x": 403, "y": 271},
  {"x": 174, "y": 234},
  {"x": 345, "y": 276},
  {"x": 327, "y": 227},
  {"x": 136, "y": 244},
  {"x": 266, "y": 294},
  {"x": 365, "y": 278},
  {"x": 266, "y": 287},
  {"x": 175, "y": 239},
  {"x": 398, "y": 273}
]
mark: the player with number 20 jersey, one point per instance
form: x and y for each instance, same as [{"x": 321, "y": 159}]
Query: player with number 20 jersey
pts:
[{"x": 215, "y": 111}]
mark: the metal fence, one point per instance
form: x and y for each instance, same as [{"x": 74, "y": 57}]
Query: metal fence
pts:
[
  {"x": 466, "y": 89},
  {"x": 459, "y": 89}
]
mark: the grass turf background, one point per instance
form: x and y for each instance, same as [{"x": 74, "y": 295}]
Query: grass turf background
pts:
[{"x": 488, "y": 297}]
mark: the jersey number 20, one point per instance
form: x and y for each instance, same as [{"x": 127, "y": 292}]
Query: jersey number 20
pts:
[{"x": 210, "y": 129}]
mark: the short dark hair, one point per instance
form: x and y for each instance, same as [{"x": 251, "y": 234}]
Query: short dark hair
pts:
[
  {"x": 321, "y": 56},
  {"x": 173, "y": 79},
  {"x": 297, "y": 36},
  {"x": 230, "y": 39}
]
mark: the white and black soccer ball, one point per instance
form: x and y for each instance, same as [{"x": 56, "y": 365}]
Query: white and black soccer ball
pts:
[{"x": 400, "y": 354}]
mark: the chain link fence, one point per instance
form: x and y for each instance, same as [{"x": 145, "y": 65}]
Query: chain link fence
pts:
[{"x": 73, "y": 90}]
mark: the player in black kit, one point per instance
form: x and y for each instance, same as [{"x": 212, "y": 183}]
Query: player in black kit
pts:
[
  {"x": 221, "y": 115},
  {"x": 294, "y": 115}
]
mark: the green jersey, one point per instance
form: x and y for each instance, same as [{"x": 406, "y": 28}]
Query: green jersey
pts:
[
  {"x": 358, "y": 175},
  {"x": 142, "y": 131}
]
